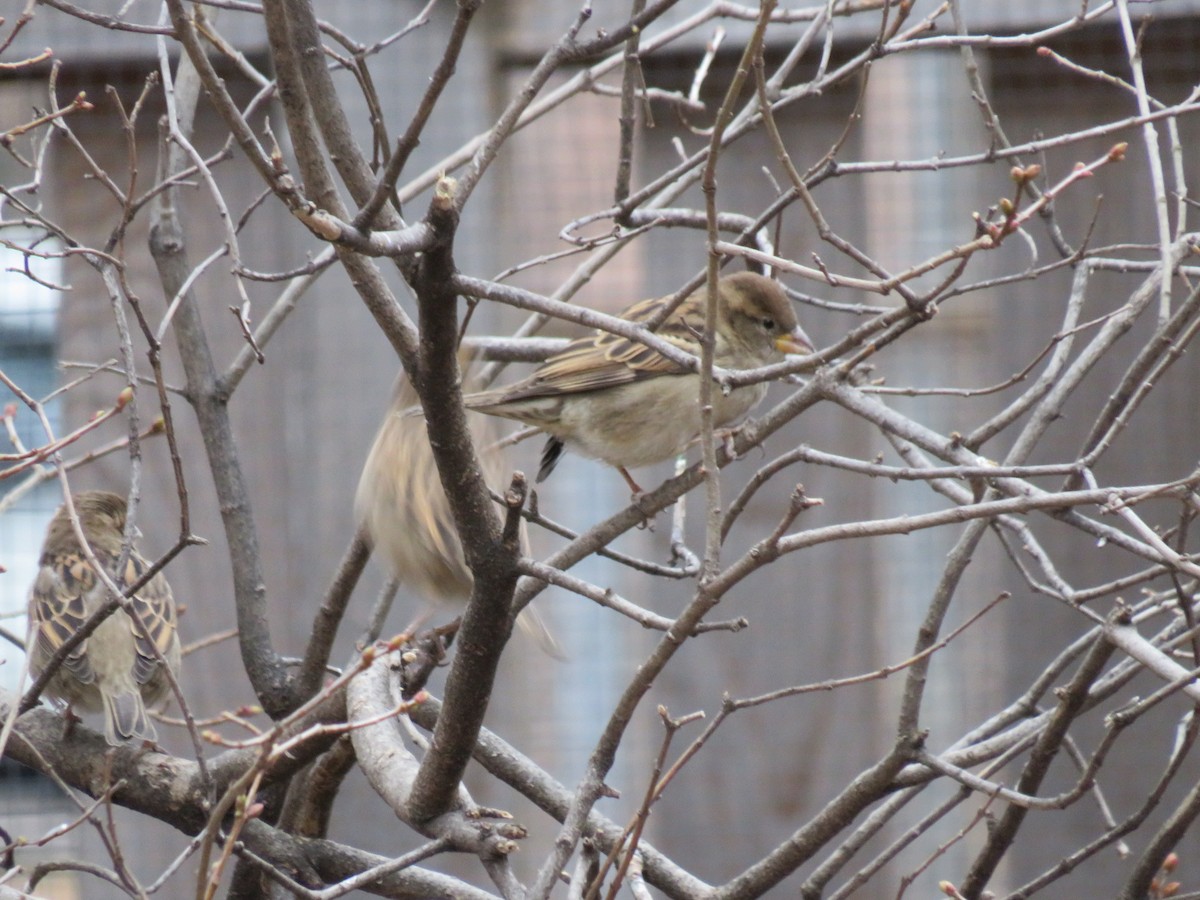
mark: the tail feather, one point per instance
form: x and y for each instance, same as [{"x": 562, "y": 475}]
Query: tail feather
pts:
[
  {"x": 530, "y": 621},
  {"x": 551, "y": 454},
  {"x": 125, "y": 718}
]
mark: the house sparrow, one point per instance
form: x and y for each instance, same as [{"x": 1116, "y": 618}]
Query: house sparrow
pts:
[
  {"x": 401, "y": 504},
  {"x": 116, "y": 669},
  {"x": 617, "y": 400}
]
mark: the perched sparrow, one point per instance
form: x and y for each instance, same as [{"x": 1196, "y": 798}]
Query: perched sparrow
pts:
[
  {"x": 116, "y": 668},
  {"x": 621, "y": 402},
  {"x": 401, "y": 504}
]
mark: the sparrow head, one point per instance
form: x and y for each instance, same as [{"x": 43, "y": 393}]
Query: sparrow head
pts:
[
  {"x": 101, "y": 515},
  {"x": 761, "y": 318}
]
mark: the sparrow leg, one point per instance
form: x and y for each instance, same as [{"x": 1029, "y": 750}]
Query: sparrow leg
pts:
[
  {"x": 418, "y": 623},
  {"x": 636, "y": 498},
  {"x": 724, "y": 437},
  {"x": 448, "y": 632},
  {"x": 69, "y": 722},
  {"x": 423, "y": 655},
  {"x": 633, "y": 485}
]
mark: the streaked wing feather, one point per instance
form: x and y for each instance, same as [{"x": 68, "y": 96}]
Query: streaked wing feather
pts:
[
  {"x": 606, "y": 360},
  {"x": 60, "y": 610},
  {"x": 156, "y": 609}
]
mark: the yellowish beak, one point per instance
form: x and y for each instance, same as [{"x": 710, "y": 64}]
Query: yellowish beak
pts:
[{"x": 794, "y": 342}]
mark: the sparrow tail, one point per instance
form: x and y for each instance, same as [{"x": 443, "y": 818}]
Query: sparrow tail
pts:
[
  {"x": 125, "y": 718},
  {"x": 551, "y": 454}
]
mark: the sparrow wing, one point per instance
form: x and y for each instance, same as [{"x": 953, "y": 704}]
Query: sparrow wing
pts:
[
  {"x": 605, "y": 360},
  {"x": 156, "y": 608},
  {"x": 58, "y": 608}
]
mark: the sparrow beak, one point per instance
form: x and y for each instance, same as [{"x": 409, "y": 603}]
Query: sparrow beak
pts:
[{"x": 794, "y": 342}]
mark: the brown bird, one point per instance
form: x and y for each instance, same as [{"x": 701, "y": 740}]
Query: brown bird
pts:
[
  {"x": 115, "y": 670},
  {"x": 401, "y": 504},
  {"x": 619, "y": 401}
]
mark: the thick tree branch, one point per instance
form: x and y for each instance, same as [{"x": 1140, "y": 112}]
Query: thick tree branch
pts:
[{"x": 491, "y": 558}]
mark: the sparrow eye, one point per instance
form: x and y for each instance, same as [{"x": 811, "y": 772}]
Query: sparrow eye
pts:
[{"x": 768, "y": 324}]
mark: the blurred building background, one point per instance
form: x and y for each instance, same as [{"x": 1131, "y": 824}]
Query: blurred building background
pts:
[{"x": 306, "y": 418}]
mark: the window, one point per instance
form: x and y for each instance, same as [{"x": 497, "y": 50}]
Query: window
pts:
[{"x": 28, "y": 314}]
